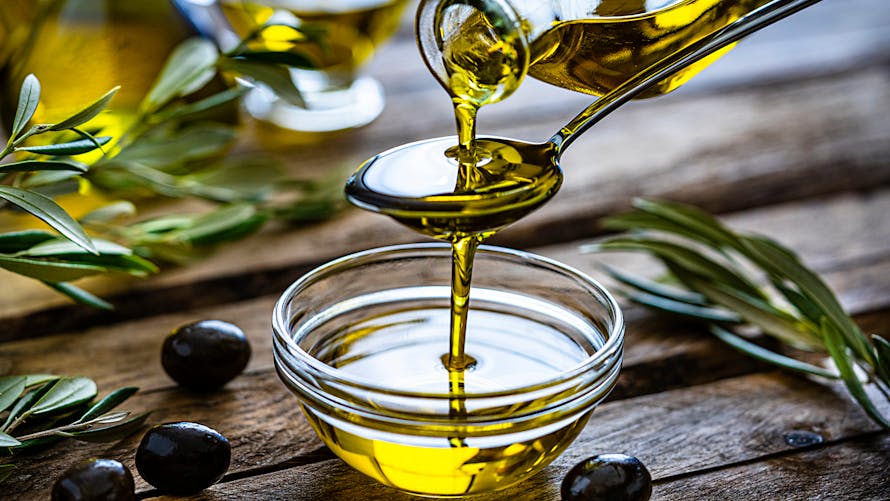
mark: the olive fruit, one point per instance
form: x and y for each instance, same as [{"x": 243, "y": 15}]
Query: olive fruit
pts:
[
  {"x": 607, "y": 477},
  {"x": 95, "y": 479},
  {"x": 182, "y": 458},
  {"x": 205, "y": 355}
]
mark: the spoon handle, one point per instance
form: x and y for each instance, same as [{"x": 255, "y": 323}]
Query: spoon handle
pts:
[{"x": 753, "y": 21}]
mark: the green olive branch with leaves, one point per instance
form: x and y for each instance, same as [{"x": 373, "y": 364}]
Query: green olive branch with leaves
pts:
[
  {"x": 176, "y": 148},
  {"x": 713, "y": 275},
  {"x": 38, "y": 410}
]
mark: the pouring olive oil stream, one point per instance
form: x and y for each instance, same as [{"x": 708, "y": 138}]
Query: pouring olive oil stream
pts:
[{"x": 479, "y": 51}]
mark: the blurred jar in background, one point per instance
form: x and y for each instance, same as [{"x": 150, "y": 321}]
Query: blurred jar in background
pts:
[{"x": 79, "y": 49}]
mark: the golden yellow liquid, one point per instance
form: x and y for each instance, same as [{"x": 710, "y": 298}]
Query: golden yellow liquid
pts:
[
  {"x": 596, "y": 54},
  {"x": 465, "y": 193},
  {"x": 81, "y": 49},
  {"x": 399, "y": 349},
  {"x": 352, "y": 29}
]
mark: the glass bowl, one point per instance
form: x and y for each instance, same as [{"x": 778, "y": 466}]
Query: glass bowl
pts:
[{"x": 360, "y": 342}]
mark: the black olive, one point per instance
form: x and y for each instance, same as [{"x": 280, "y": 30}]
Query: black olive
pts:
[
  {"x": 205, "y": 355},
  {"x": 95, "y": 479},
  {"x": 607, "y": 477},
  {"x": 182, "y": 458}
]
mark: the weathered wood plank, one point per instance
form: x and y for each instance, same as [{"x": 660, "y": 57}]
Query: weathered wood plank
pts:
[
  {"x": 267, "y": 432},
  {"x": 129, "y": 350},
  {"x": 675, "y": 432},
  {"x": 724, "y": 152},
  {"x": 858, "y": 469},
  {"x": 260, "y": 418}
]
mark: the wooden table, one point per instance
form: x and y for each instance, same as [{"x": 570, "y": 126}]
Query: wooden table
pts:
[{"x": 788, "y": 135}]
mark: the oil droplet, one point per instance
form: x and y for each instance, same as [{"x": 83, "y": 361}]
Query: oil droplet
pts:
[{"x": 802, "y": 438}]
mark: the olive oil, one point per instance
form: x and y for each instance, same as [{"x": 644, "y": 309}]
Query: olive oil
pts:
[
  {"x": 599, "y": 50},
  {"x": 81, "y": 49},
  {"x": 351, "y": 29},
  {"x": 398, "y": 347}
]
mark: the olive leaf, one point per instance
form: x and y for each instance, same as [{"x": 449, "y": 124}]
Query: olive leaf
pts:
[
  {"x": 761, "y": 353},
  {"x": 110, "y": 401},
  {"x": 49, "y": 212},
  {"x": 277, "y": 78},
  {"x": 287, "y": 58},
  {"x": 882, "y": 352},
  {"x": 69, "y": 148},
  {"x": 114, "y": 430},
  {"x": 79, "y": 295},
  {"x": 47, "y": 270},
  {"x": 64, "y": 394},
  {"x": 759, "y": 282},
  {"x": 20, "y": 240},
  {"x": 29, "y": 96},
  {"x": 11, "y": 388},
  {"x": 43, "y": 165},
  {"x": 35, "y": 379},
  {"x": 190, "y": 66},
  {"x": 24, "y": 403},
  {"x": 86, "y": 114},
  {"x": 834, "y": 341},
  {"x": 8, "y": 440}
]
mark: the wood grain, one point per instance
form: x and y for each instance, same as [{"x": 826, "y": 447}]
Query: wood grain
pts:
[
  {"x": 674, "y": 432},
  {"x": 130, "y": 350},
  {"x": 749, "y": 147},
  {"x": 856, "y": 469}
]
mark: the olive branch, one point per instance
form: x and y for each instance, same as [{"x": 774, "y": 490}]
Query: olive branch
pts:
[
  {"x": 38, "y": 410},
  {"x": 731, "y": 281},
  {"x": 176, "y": 148}
]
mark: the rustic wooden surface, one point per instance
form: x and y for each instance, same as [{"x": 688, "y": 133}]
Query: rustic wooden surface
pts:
[{"x": 788, "y": 135}]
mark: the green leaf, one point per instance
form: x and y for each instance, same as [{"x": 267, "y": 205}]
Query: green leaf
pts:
[
  {"x": 225, "y": 224},
  {"x": 683, "y": 309},
  {"x": 287, "y": 58},
  {"x": 79, "y": 295},
  {"x": 48, "y": 177},
  {"x": 204, "y": 105},
  {"x": 5, "y": 471},
  {"x": 65, "y": 393},
  {"x": 35, "y": 379},
  {"x": 49, "y": 211},
  {"x": 113, "y": 432},
  {"x": 16, "y": 241},
  {"x": 108, "y": 213},
  {"x": 57, "y": 247},
  {"x": 25, "y": 402},
  {"x": 110, "y": 401},
  {"x": 8, "y": 440},
  {"x": 190, "y": 66},
  {"x": 688, "y": 259},
  {"x": 111, "y": 256},
  {"x": 47, "y": 270},
  {"x": 761, "y": 353},
  {"x": 882, "y": 350},
  {"x": 277, "y": 78},
  {"x": 834, "y": 341},
  {"x": 43, "y": 165},
  {"x": 86, "y": 114},
  {"x": 29, "y": 96},
  {"x": 69, "y": 148},
  {"x": 698, "y": 224},
  {"x": 760, "y": 313},
  {"x": 11, "y": 388},
  {"x": 784, "y": 264},
  {"x": 655, "y": 288},
  {"x": 176, "y": 147}
]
